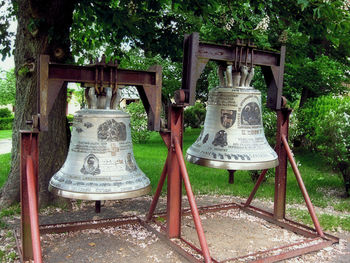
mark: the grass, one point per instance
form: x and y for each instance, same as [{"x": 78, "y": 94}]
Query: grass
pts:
[
  {"x": 324, "y": 186},
  {"x": 5, "y": 163},
  {"x": 5, "y": 134},
  {"x": 327, "y": 221}
]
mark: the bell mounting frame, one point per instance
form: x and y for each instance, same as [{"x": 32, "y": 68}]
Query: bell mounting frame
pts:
[
  {"x": 52, "y": 76},
  {"x": 51, "y": 79},
  {"x": 196, "y": 56}
]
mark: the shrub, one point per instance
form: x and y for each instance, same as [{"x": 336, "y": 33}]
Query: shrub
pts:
[
  {"x": 138, "y": 122},
  {"x": 70, "y": 118},
  {"x": 194, "y": 115},
  {"x": 313, "y": 112},
  {"x": 5, "y": 113},
  {"x": 326, "y": 123},
  {"x": 6, "y": 123},
  {"x": 270, "y": 127}
]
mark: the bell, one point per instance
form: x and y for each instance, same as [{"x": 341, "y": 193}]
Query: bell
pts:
[
  {"x": 100, "y": 164},
  {"x": 233, "y": 134}
]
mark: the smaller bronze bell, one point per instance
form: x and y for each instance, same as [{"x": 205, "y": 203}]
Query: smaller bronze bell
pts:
[
  {"x": 233, "y": 134},
  {"x": 100, "y": 164}
]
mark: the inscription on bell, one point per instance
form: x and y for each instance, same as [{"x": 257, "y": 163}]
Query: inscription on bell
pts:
[
  {"x": 220, "y": 99},
  {"x": 86, "y": 147}
]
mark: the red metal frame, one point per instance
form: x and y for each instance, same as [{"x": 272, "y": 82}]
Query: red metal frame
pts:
[
  {"x": 30, "y": 237},
  {"x": 51, "y": 78},
  {"x": 196, "y": 55}
]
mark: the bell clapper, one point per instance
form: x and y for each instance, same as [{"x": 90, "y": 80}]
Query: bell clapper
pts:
[
  {"x": 98, "y": 207},
  {"x": 231, "y": 176}
]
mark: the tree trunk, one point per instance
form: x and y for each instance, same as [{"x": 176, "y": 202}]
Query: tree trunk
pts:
[{"x": 43, "y": 28}]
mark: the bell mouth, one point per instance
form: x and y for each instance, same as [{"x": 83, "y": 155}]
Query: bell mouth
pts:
[
  {"x": 232, "y": 165},
  {"x": 99, "y": 196}
]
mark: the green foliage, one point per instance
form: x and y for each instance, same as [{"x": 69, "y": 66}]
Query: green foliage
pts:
[
  {"x": 171, "y": 71},
  {"x": 194, "y": 115},
  {"x": 270, "y": 126},
  {"x": 8, "y": 88},
  {"x": 320, "y": 76},
  {"x": 5, "y": 113},
  {"x": 70, "y": 117},
  {"x": 326, "y": 123},
  {"x": 138, "y": 122},
  {"x": 6, "y": 123}
]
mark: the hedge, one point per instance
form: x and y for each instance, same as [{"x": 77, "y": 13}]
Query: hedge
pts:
[{"x": 6, "y": 123}]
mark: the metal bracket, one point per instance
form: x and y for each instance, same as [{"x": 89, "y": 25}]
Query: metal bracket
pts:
[
  {"x": 197, "y": 54},
  {"x": 52, "y": 76}
]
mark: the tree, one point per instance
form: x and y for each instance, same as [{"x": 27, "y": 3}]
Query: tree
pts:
[
  {"x": 43, "y": 28},
  {"x": 87, "y": 28},
  {"x": 8, "y": 88}
]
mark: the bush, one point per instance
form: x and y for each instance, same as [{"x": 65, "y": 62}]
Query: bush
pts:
[
  {"x": 6, "y": 123},
  {"x": 5, "y": 113},
  {"x": 270, "y": 127},
  {"x": 314, "y": 112},
  {"x": 326, "y": 122},
  {"x": 70, "y": 118},
  {"x": 194, "y": 115},
  {"x": 138, "y": 122}
]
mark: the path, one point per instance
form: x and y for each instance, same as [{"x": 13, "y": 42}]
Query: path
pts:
[{"x": 5, "y": 146}]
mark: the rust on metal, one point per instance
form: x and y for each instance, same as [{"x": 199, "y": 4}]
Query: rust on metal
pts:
[
  {"x": 269, "y": 255},
  {"x": 197, "y": 54},
  {"x": 33, "y": 209},
  {"x": 192, "y": 201},
  {"x": 174, "y": 183},
  {"x": 256, "y": 187},
  {"x": 302, "y": 187},
  {"x": 29, "y": 142},
  {"x": 52, "y": 77},
  {"x": 82, "y": 225},
  {"x": 281, "y": 169}
]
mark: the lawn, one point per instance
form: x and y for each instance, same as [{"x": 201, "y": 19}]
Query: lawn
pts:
[
  {"x": 323, "y": 185},
  {"x": 5, "y": 134}
]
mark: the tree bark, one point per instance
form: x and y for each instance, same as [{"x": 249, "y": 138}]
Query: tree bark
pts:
[{"x": 43, "y": 28}]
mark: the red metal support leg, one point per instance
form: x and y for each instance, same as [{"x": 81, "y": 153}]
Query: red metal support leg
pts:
[
  {"x": 281, "y": 169},
  {"x": 256, "y": 187},
  {"x": 191, "y": 200},
  {"x": 33, "y": 210},
  {"x": 302, "y": 187},
  {"x": 158, "y": 191},
  {"x": 29, "y": 147},
  {"x": 174, "y": 194}
]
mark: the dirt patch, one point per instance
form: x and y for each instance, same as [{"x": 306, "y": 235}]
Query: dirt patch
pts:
[{"x": 230, "y": 233}]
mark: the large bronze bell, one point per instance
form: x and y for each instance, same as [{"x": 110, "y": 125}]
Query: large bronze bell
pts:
[
  {"x": 233, "y": 134},
  {"x": 100, "y": 164}
]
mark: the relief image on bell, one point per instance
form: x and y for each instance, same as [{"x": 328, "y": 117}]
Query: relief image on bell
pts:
[
  {"x": 251, "y": 114},
  {"x": 228, "y": 118}
]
